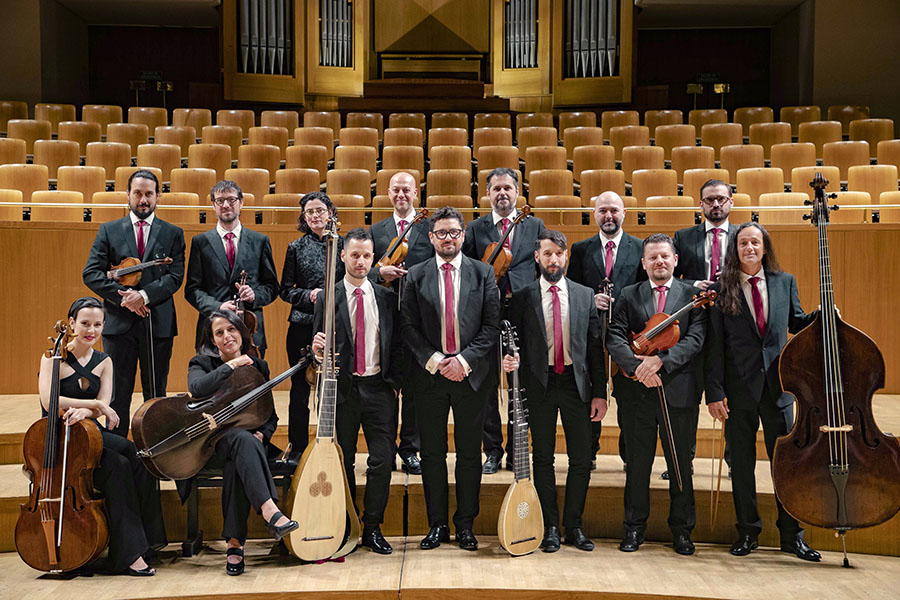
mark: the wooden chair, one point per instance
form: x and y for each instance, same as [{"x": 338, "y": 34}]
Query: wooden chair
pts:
[
  {"x": 315, "y": 136},
  {"x": 799, "y": 114},
  {"x": 123, "y": 173},
  {"x": 618, "y": 118},
  {"x": 56, "y": 153},
  {"x": 844, "y": 155},
  {"x": 348, "y": 181},
  {"x": 102, "y": 114},
  {"x": 656, "y": 118},
  {"x": 576, "y": 119},
  {"x": 870, "y": 130},
  {"x": 500, "y": 120},
  {"x": 789, "y": 156},
  {"x": 403, "y": 157},
  {"x": 740, "y": 156},
  {"x": 226, "y": 135},
  {"x": 568, "y": 217},
  {"x": 585, "y": 158},
  {"x": 54, "y": 113},
  {"x": 165, "y": 157},
  {"x": 447, "y": 136},
  {"x": 210, "y": 156},
  {"x": 889, "y": 215},
  {"x": 198, "y": 118},
  {"x": 716, "y": 135},
  {"x": 251, "y": 181},
  {"x": 28, "y": 130},
  {"x": 847, "y": 214},
  {"x": 769, "y": 134},
  {"x": 382, "y": 202},
  {"x": 874, "y": 179},
  {"x": 551, "y": 182},
  {"x": 490, "y": 136},
  {"x": 260, "y": 156},
  {"x": 535, "y": 119},
  {"x": 182, "y": 136},
  {"x": 695, "y": 178},
  {"x": 350, "y": 218},
  {"x": 628, "y": 135},
  {"x": 102, "y": 214},
  {"x": 576, "y": 136},
  {"x": 451, "y": 157},
  {"x": 373, "y": 120},
  {"x": 742, "y": 214},
  {"x": 383, "y": 182},
  {"x": 414, "y": 120},
  {"x": 12, "y": 151},
  {"x": 641, "y": 157},
  {"x": 653, "y": 182},
  {"x": 685, "y": 158},
  {"x": 288, "y": 119},
  {"x": 669, "y": 137},
  {"x": 133, "y": 134},
  {"x": 152, "y": 117},
  {"x": 57, "y": 214},
  {"x": 802, "y": 176},
  {"x": 283, "y": 217},
  {"x": 449, "y": 182},
  {"x": 11, "y": 109},
  {"x": 888, "y": 153},
  {"x": 179, "y": 215},
  {"x": 356, "y": 157},
  {"x": 196, "y": 181},
  {"x": 494, "y": 157},
  {"x": 670, "y": 218},
  {"x": 245, "y": 119},
  {"x": 11, "y": 213},
  {"x": 109, "y": 155},
  {"x": 782, "y": 217},
  {"x": 544, "y": 157},
  {"x": 360, "y": 136},
  {"x": 845, "y": 113},
  {"x": 308, "y": 157},
  {"x": 596, "y": 181},
  {"x": 707, "y": 116},
  {"x": 535, "y": 136},
  {"x": 819, "y": 133},
  {"x": 297, "y": 181},
  {"x": 756, "y": 182},
  {"x": 404, "y": 136},
  {"x": 451, "y": 120},
  {"x": 87, "y": 180},
  {"x": 25, "y": 178},
  {"x": 750, "y": 115},
  {"x": 271, "y": 136},
  {"x": 458, "y": 202}
]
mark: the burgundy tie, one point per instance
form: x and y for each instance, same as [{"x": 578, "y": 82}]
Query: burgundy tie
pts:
[
  {"x": 504, "y": 225},
  {"x": 360, "y": 351},
  {"x": 449, "y": 312},
  {"x": 609, "y": 258},
  {"x": 758, "y": 306},
  {"x": 140, "y": 238},
  {"x": 715, "y": 254},
  {"x": 559, "y": 361},
  {"x": 229, "y": 248},
  {"x": 661, "y": 299},
  {"x": 401, "y": 225}
]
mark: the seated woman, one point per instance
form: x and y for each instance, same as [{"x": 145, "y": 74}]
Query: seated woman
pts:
[
  {"x": 241, "y": 453},
  {"x": 131, "y": 496}
]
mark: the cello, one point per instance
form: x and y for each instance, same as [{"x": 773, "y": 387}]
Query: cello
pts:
[
  {"x": 835, "y": 469},
  {"x": 62, "y": 526},
  {"x": 497, "y": 254}
]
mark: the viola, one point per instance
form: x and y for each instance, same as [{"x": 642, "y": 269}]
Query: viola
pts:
[
  {"x": 398, "y": 248},
  {"x": 128, "y": 272},
  {"x": 497, "y": 254},
  {"x": 248, "y": 316}
]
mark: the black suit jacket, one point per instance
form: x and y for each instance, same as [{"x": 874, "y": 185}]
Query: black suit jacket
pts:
[
  {"x": 389, "y": 346},
  {"x": 585, "y": 341},
  {"x": 740, "y": 364},
  {"x": 630, "y": 315},
  {"x": 210, "y": 281},
  {"x": 115, "y": 241},
  {"x": 690, "y": 244},
  {"x": 482, "y": 232},
  {"x": 587, "y": 264},
  {"x": 478, "y": 313},
  {"x": 420, "y": 247}
]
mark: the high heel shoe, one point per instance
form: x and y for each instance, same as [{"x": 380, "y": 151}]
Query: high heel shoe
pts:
[
  {"x": 234, "y": 568},
  {"x": 147, "y": 571},
  {"x": 279, "y": 531}
]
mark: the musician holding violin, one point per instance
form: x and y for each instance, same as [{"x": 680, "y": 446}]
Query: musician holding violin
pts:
[{"x": 141, "y": 322}]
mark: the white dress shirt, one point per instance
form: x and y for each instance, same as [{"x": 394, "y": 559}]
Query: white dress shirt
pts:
[
  {"x": 616, "y": 240},
  {"x": 497, "y": 218},
  {"x": 747, "y": 287},
  {"x": 370, "y": 314},
  {"x": 237, "y": 237},
  {"x": 547, "y": 307},
  {"x": 707, "y": 244},
  {"x": 655, "y": 292},
  {"x": 432, "y": 365},
  {"x": 408, "y": 218}
]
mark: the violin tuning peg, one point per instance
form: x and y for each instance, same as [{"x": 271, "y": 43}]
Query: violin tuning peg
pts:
[
  {"x": 807, "y": 203},
  {"x": 835, "y": 207},
  {"x": 806, "y": 217}
]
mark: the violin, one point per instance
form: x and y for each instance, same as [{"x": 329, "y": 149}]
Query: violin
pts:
[
  {"x": 128, "y": 272},
  {"x": 398, "y": 248},
  {"x": 62, "y": 526},
  {"x": 248, "y": 316},
  {"x": 497, "y": 254}
]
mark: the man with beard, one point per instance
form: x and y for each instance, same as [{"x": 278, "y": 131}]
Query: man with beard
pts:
[
  {"x": 449, "y": 318},
  {"x": 140, "y": 320},
  {"x": 503, "y": 192},
  {"x": 672, "y": 374},
  {"x": 614, "y": 255},
  {"x": 562, "y": 352},
  {"x": 220, "y": 255},
  {"x": 701, "y": 248}
]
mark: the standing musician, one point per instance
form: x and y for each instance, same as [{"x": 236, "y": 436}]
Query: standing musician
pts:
[
  {"x": 503, "y": 192},
  {"x": 130, "y": 493},
  {"x": 403, "y": 193},
  {"x": 449, "y": 321},
  {"x": 564, "y": 374},
  {"x": 240, "y": 453},
  {"x": 220, "y": 256},
  {"x": 142, "y": 321},
  {"x": 302, "y": 278},
  {"x": 757, "y": 307},
  {"x": 367, "y": 343},
  {"x": 672, "y": 372},
  {"x": 610, "y": 255}
]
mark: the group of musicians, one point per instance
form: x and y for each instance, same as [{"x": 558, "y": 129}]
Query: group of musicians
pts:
[{"x": 429, "y": 329}]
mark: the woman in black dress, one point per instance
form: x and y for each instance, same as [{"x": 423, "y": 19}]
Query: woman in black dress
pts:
[
  {"x": 302, "y": 280},
  {"x": 131, "y": 496},
  {"x": 240, "y": 453}
]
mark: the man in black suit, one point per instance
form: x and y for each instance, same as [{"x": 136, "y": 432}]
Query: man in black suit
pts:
[
  {"x": 503, "y": 192},
  {"x": 672, "y": 373},
  {"x": 450, "y": 323},
  {"x": 367, "y": 342},
  {"x": 562, "y": 352},
  {"x": 218, "y": 257},
  {"x": 403, "y": 192},
  {"x": 757, "y": 306},
  {"x": 614, "y": 255},
  {"x": 140, "y": 320},
  {"x": 701, "y": 248}
]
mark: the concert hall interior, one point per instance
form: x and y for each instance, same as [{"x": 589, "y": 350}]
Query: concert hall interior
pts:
[{"x": 607, "y": 121}]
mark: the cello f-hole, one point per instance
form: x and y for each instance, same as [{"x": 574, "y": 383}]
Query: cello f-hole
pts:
[
  {"x": 863, "y": 431},
  {"x": 808, "y": 420}
]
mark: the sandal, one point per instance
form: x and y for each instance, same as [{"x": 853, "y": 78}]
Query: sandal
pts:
[
  {"x": 279, "y": 531},
  {"x": 234, "y": 568}
]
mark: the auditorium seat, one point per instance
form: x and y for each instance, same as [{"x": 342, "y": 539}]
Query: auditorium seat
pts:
[
  {"x": 653, "y": 182},
  {"x": 576, "y": 119},
  {"x": 270, "y": 135},
  {"x": 769, "y": 134},
  {"x": 55, "y": 154},
  {"x": 551, "y": 182},
  {"x": 874, "y": 179},
  {"x": 458, "y": 202},
  {"x": 373, "y": 120},
  {"x": 198, "y": 118},
  {"x": 383, "y": 182},
  {"x": 693, "y": 180},
  {"x": 403, "y": 157},
  {"x": 628, "y": 135},
  {"x": 673, "y": 136},
  {"x": 357, "y": 157},
  {"x": 756, "y": 182},
  {"x": 641, "y": 157},
  {"x": 350, "y": 218},
  {"x": 133, "y": 134},
  {"x": 183, "y": 136},
  {"x": 544, "y": 157},
  {"x": 403, "y": 120},
  {"x": 799, "y": 114},
  {"x": 596, "y": 181},
  {"x": 123, "y": 173},
  {"x": 260, "y": 156},
  {"x": 308, "y": 157},
  {"x": 227, "y": 135},
  {"x": 57, "y": 214},
  {"x": 179, "y": 216},
  {"x": 819, "y": 133},
  {"x": 789, "y": 156},
  {"x": 657, "y": 118},
  {"x": 404, "y": 136},
  {"x": 844, "y": 155},
  {"x": 447, "y": 136},
  {"x": 165, "y": 157},
  {"x": 296, "y": 181},
  {"x": 707, "y": 116},
  {"x": 448, "y": 182},
  {"x": 152, "y": 117},
  {"x": 348, "y": 181},
  {"x": 670, "y": 218},
  {"x": 10, "y": 213},
  {"x": 802, "y": 176},
  {"x": 210, "y": 156},
  {"x": 848, "y": 214},
  {"x": 109, "y": 155},
  {"x": 283, "y": 217},
  {"x": 740, "y": 215},
  {"x": 685, "y": 158},
  {"x": 551, "y": 219},
  {"x": 199, "y": 181},
  {"x": 360, "y": 136},
  {"x": 585, "y": 158},
  {"x": 245, "y": 119},
  {"x": 102, "y": 214},
  {"x": 782, "y": 217},
  {"x": 844, "y": 113},
  {"x": 25, "y": 178},
  {"x": 501, "y": 120},
  {"x": 888, "y": 152},
  {"x": 12, "y": 151},
  {"x": 490, "y": 136},
  {"x": 451, "y": 157},
  {"x": 749, "y": 115},
  {"x": 872, "y": 131},
  {"x": 288, "y": 119},
  {"x": 740, "y": 156},
  {"x": 889, "y": 215},
  {"x": 451, "y": 120},
  {"x": 103, "y": 114},
  {"x": 716, "y": 135},
  {"x": 11, "y": 109},
  {"x": 29, "y": 130},
  {"x": 315, "y": 136},
  {"x": 618, "y": 118},
  {"x": 54, "y": 113},
  {"x": 382, "y": 202},
  {"x": 251, "y": 181},
  {"x": 576, "y": 136},
  {"x": 81, "y": 132},
  {"x": 534, "y": 119}
]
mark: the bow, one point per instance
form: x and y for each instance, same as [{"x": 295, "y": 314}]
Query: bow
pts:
[{"x": 714, "y": 495}]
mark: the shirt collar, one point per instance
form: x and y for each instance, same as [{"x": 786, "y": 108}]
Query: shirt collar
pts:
[
  {"x": 761, "y": 274},
  {"x": 668, "y": 284},
  {"x": 408, "y": 218},
  {"x": 135, "y": 219},
  {"x": 456, "y": 262},
  {"x": 222, "y": 231},
  {"x": 497, "y": 218},
  {"x": 545, "y": 285},
  {"x": 366, "y": 287},
  {"x": 616, "y": 239},
  {"x": 723, "y": 226}
]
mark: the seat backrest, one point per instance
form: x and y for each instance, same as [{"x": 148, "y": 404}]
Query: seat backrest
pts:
[
  {"x": 641, "y": 157},
  {"x": 25, "y": 178},
  {"x": 769, "y": 134},
  {"x": 801, "y": 177},
  {"x": 87, "y": 180},
  {"x": 288, "y": 119},
  {"x": 198, "y": 118},
  {"x": 490, "y": 136},
  {"x": 544, "y": 157},
  {"x": 199, "y": 181},
  {"x": 251, "y": 181},
  {"x": 404, "y": 136},
  {"x": 596, "y": 181},
  {"x": 551, "y": 182},
  {"x": 569, "y": 217},
  {"x": 576, "y": 119},
  {"x": 792, "y": 155},
  {"x": 12, "y": 109},
  {"x": 799, "y": 114},
  {"x": 502, "y": 120},
  {"x": 748, "y": 115},
  {"x": 54, "y": 113},
  {"x": 296, "y": 181},
  {"x": 585, "y": 158},
  {"x": 10, "y": 213},
  {"x": 769, "y": 217},
  {"x": 359, "y": 136},
  {"x": 676, "y": 218},
  {"x": 228, "y": 135},
  {"x": 447, "y": 136},
  {"x": 695, "y": 178},
  {"x": 685, "y": 158},
  {"x": 102, "y": 214},
  {"x": 717, "y": 135},
  {"x": 819, "y": 133},
  {"x": 576, "y": 136},
  {"x": 57, "y": 213},
  {"x": 133, "y": 134},
  {"x": 706, "y": 116},
  {"x": 415, "y": 120},
  {"x": 403, "y": 157},
  {"x": 451, "y": 157},
  {"x": 103, "y": 114},
  {"x": 245, "y": 119},
  {"x": 348, "y": 181},
  {"x": 535, "y": 119},
  {"x": 759, "y": 181},
  {"x": 740, "y": 156},
  {"x": 182, "y": 136},
  {"x": 450, "y": 120},
  {"x": 655, "y": 118},
  {"x": 179, "y": 215},
  {"x": 628, "y": 135},
  {"x": 888, "y": 152},
  {"x": 29, "y": 130},
  {"x": 356, "y": 157},
  {"x": 308, "y": 157},
  {"x": 618, "y": 118},
  {"x": 535, "y": 136},
  {"x": 315, "y": 136},
  {"x": 283, "y": 217},
  {"x": 109, "y": 155},
  {"x": 653, "y": 182},
  {"x": 449, "y": 182},
  {"x": 124, "y": 173},
  {"x": 872, "y": 131},
  {"x": 844, "y": 155},
  {"x": 210, "y": 156},
  {"x": 12, "y": 151},
  {"x": 373, "y": 120},
  {"x": 56, "y": 153},
  {"x": 152, "y": 117},
  {"x": 673, "y": 136},
  {"x": 163, "y": 156},
  {"x": 271, "y": 135}
]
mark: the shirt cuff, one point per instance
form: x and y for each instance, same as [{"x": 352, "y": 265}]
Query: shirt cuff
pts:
[
  {"x": 144, "y": 296},
  {"x": 465, "y": 365},
  {"x": 432, "y": 365}
]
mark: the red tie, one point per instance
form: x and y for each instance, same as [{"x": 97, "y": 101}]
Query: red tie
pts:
[
  {"x": 715, "y": 254},
  {"x": 401, "y": 225},
  {"x": 229, "y": 248},
  {"x": 661, "y": 299},
  {"x": 559, "y": 361},
  {"x": 609, "y": 258},
  {"x": 360, "y": 351},
  {"x": 758, "y": 306},
  {"x": 449, "y": 312},
  {"x": 504, "y": 225},
  {"x": 140, "y": 238}
]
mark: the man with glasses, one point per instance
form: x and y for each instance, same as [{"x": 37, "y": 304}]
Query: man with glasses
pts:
[
  {"x": 221, "y": 255},
  {"x": 701, "y": 248},
  {"x": 449, "y": 319}
]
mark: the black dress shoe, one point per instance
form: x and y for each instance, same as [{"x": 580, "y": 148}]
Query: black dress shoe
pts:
[
  {"x": 799, "y": 547},
  {"x": 550, "y": 543},
  {"x": 279, "y": 531},
  {"x": 683, "y": 544},
  {"x": 411, "y": 464},
  {"x": 576, "y": 537},
  {"x": 436, "y": 535},
  {"x": 372, "y": 538},
  {"x": 744, "y": 544},
  {"x": 466, "y": 539},
  {"x": 491, "y": 465},
  {"x": 632, "y": 541},
  {"x": 234, "y": 568}
]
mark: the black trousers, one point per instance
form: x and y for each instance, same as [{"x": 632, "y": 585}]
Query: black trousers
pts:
[
  {"x": 646, "y": 424},
  {"x": 561, "y": 396},
  {"x": 372, "y": 404},
  {"x": 299, "y": 336},
  {"x": 433, "y": 403},
  {"x": 126, "y": 350},
  {"x": 131, "y": 498},
  {"x": 740, "y": 433},
  {"x": 622, "y": 386}
]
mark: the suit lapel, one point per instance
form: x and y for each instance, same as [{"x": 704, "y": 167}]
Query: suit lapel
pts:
[
  {"x": 245, "y": 252},
  {"x": 775, "y": 293},
  {"x": 537, "y": 305},
  {"x": 598, "y": 254},
  {"x": 215, "y": 244},
  {"x": 130, "y": 237},
  {"x": 647, "y": 303},
  {"x": 623, "y": 256},
  {"x": 152, "y": 239},
  {"x": 524, "y": 232},
  {"x": 466, "y": 285},
  {"x": 383, "y": 326},
  {"x": 700, "y": 247},
  {"x": 342, "y": 309},
  {"x": 747, "y": 313}
]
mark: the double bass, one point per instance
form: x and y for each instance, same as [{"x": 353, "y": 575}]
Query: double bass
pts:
[{"x": 835, "y": 469}]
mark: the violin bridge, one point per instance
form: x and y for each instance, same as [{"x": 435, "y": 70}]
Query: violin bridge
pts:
[
  {"x": 842, "y": 428},
  {"x": 211, "y": 420}
]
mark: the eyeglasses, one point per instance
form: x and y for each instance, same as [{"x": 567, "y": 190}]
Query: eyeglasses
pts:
[
  {"x": 231, "y": 201},
  {"x": 315, "y": 212},
  {"x": 443, "y": 234},
  {"x": 711, "y": 200}
]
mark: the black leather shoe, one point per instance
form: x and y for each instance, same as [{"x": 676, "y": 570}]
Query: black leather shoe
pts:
[
  {"x": 436, "y": 535},
  {"x": 466, "y": 539},
  {"x": 411, "y": 464},
  {"x": 799, "y": 547},
  {"x": 744, "y": 544},
  {"x": 372, "y": 538},
  {"x": 683, "y": 544},
  {"x": 233, "y": 568},
  {"x": 576, "y": 537},
  {"x": 279, "y": 531},
  {"x": 491, "y": 465},
  {"x": 550, "y": 543},
  {"x": 632, "y": 541}
]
